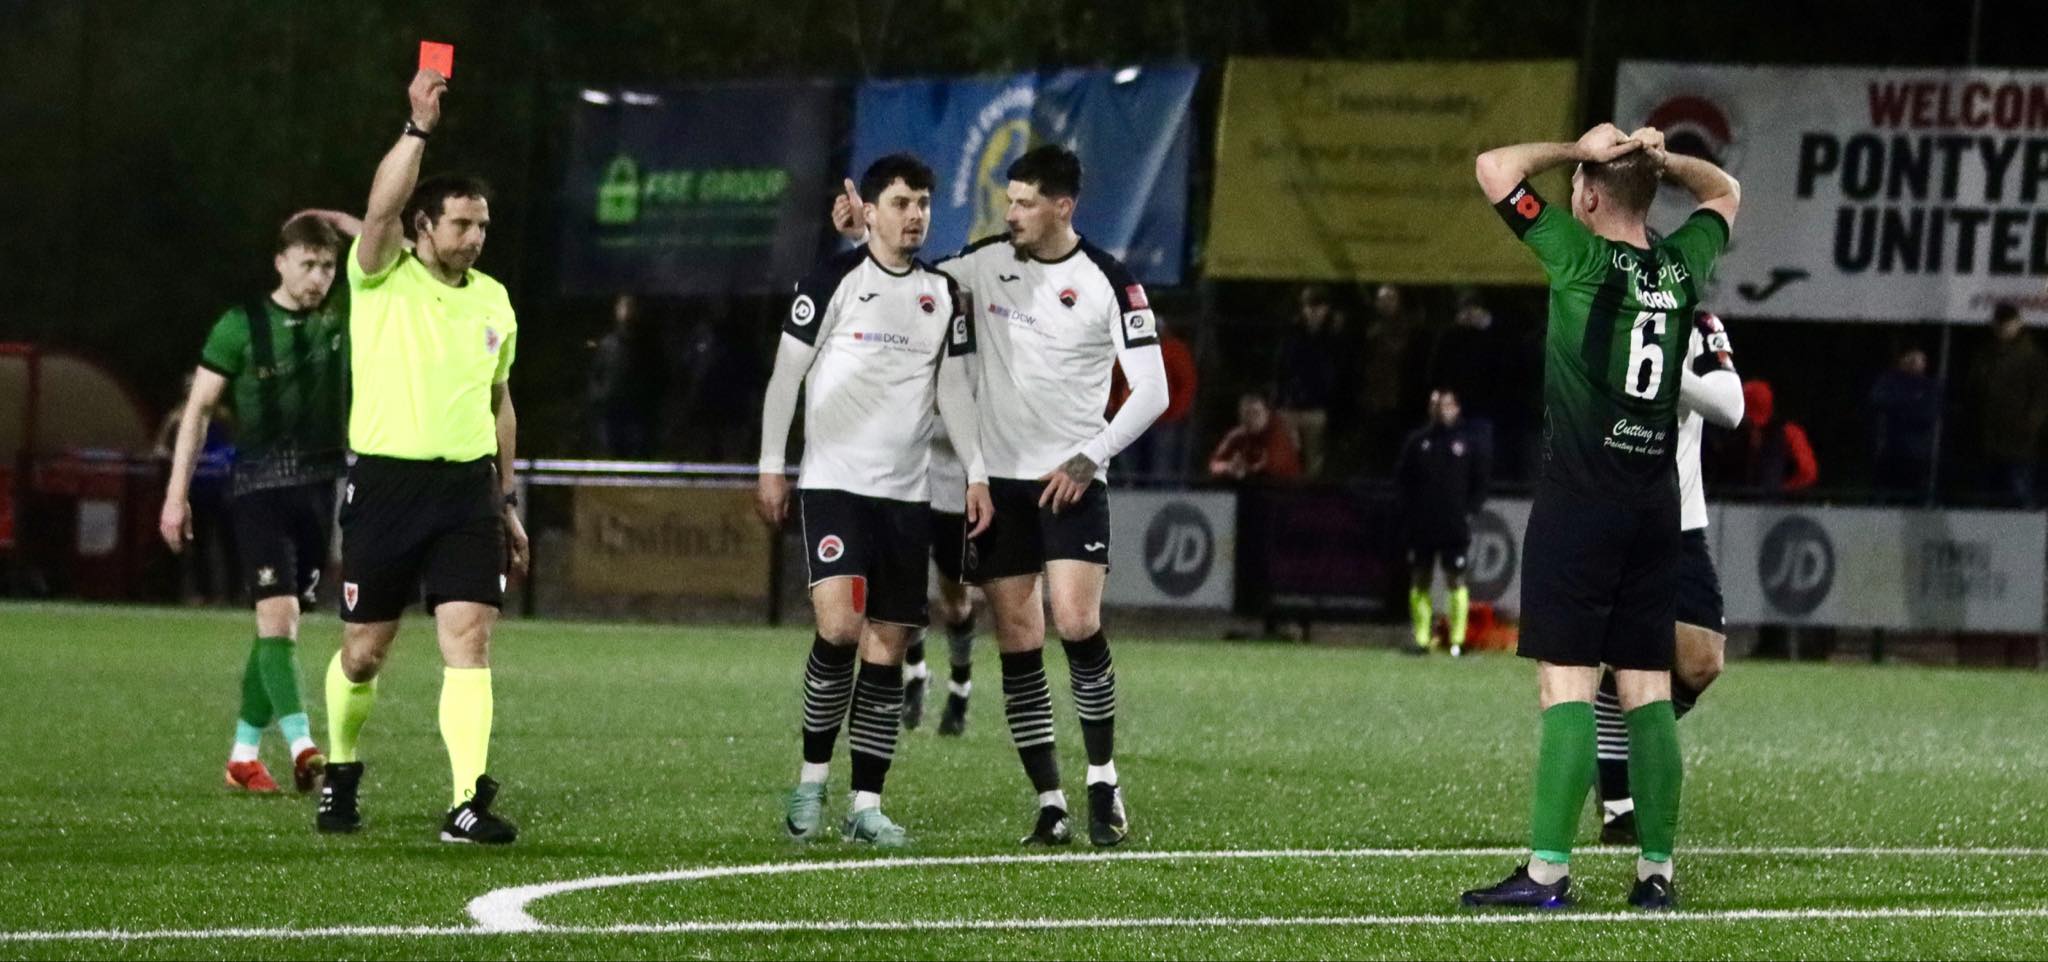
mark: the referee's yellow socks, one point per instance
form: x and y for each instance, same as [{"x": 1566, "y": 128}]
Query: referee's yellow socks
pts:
[
  {"x": 348, "y": 706},
  {"x": 1461, "y": 613},
  {"x": 466, "y": 726},
  {"x": 1420, "y": 615}
]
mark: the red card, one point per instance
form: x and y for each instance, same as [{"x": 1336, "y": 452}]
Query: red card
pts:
[{"x": 438, "y": 57}]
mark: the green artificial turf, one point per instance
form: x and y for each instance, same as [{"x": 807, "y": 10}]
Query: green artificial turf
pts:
[{"x": 641, "y": 749}]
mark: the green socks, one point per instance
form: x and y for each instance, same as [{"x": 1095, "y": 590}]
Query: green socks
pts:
[
  {"x": 1656, "y": 773},
  {"x": 1564, "y": 774},
  {"x": 277, "y": 661},
  {"x": 1419, "y": 614},
  {"x": 466, "y": 726},
  {"x": 348, "y": 706},
  {"x": 256, "y": 708},
  {"x": 1461, "y": 610}
]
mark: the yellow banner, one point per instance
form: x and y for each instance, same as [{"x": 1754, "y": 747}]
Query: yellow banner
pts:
[
  {"x": 1342, "y": 171},
  {"x": 689, "y": 542}
]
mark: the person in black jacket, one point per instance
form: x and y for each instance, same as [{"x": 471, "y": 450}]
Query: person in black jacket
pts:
[{"x": 1442, "y": 476}]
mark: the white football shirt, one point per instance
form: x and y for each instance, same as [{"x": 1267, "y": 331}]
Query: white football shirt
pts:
[
  {"x": 870, "y": 396},
  {"x": 1047, "y": 335}
]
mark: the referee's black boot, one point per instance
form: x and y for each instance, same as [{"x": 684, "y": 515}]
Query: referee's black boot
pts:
[
  {"x": 338, "y": 813},
  {"x": 472, "y": 821}
]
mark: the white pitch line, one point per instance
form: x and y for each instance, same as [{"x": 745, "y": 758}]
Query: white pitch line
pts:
[
  {"x": 1027, "y": 925},
  {"x": 504, "y": 910}
]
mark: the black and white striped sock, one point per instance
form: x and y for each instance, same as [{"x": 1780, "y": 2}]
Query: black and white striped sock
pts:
[
  {"x": 877, "y": 717},
  {"x": 1612, "y": 751},
  {"x": 828, "y": 690},
  {"x": 960, "y": 645},
  {"x": 1027, "y": 702},
  {"x": 1094, "y": 680}
]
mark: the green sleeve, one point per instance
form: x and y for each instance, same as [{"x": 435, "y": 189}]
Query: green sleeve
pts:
[
  {"x": 227, "y": 346},
  {"x": 1699, "y": 243},
  {"x": 1568, "y": 250}
]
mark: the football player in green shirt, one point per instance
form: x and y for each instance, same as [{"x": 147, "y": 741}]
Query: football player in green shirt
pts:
[
  {"x": 283, "y": 360},
  {"x": 1600, "y": 565}
]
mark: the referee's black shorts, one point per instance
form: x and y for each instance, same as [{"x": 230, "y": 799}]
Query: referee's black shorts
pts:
[
  {"x": 282, "y": 536},
  {"x": 1600, "y": 581},
  {"x": 420, "y": 530}
]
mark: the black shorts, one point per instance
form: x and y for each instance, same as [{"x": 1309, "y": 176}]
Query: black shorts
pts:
[
  {"x": 283, "y": 536},
  {"x": 1699, "y": 585},
  {"x": 1600, "y": 581},
  {"x": 949, "y": 543},
  {"x": 880, "y": 541},
  {"x": 1452, "y": 550},
  {"x": 420, "y": 530},
  {"x": 1022, "y": 536}
]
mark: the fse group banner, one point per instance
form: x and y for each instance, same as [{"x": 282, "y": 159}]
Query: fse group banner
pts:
[
  {"x": 1868, "y": 194},
  {"x": 696, "y": 190},
  {"x": 1338, "y": 171},
  {"x": 1129, "y": 126}
]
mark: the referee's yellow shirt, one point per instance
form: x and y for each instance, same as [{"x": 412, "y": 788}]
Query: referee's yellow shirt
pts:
[{"x": 423, "y": 357}]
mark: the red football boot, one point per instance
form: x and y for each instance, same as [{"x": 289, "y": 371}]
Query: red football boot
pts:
[
  {"x": 307, "y": 771},
  {"x": 251, "y": 777}
]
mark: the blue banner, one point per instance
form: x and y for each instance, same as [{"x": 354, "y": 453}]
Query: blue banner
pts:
[
  {"x": 696, "y": 190},
  {"x": 1131, "y": 128}
]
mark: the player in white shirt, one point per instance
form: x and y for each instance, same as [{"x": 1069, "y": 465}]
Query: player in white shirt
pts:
[
  {"x": 1711, "y": 391},
  {"x": 1053, "y": 315},
  {"x": 878, "y": 341},
  {"x": 954, "y": 609}
]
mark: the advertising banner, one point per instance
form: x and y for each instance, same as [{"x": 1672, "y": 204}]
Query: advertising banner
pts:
[
  {"x": 1883, "y": 568},
  {"x": 695, "y": 542},
  {"x": 696, "y": 190},
  {"x": 1869, "y": 194},
  {"x": 1343, "y": 171},
  {"x": 1172, "y": 549},
  {"x": 1129, "y": 126}
]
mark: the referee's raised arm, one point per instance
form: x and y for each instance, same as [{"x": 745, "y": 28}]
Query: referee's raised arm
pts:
[{"x": 383, "y": 233}]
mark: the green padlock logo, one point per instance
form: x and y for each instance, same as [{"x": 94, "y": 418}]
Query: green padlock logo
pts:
[{"x": 618, "y": 195}]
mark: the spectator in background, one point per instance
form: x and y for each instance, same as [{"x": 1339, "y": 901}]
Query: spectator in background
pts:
[
  {"x": 1384, "y": 381},
  {"x": 1772, "y": 453},
  {"x": 628, "y": 374},
  {"x": 2009, "y": 384},
  {"x": 1306, "y": 373},
  {"x": 1161, "y": 453},
  {"x": 1260, "y": 447},
  {"x": 1475, "y": 360},
  {"x": 726, "y": 382},
  {"x": 1905, "y": 407}
]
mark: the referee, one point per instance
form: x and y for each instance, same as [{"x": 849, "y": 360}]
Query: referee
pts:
[{"x": 428, "y": 511}]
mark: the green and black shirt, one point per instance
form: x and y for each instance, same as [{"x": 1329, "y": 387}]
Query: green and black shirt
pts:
[
  {"x": 1620, "y": 316},
  {"x": 288, "y": 382}
]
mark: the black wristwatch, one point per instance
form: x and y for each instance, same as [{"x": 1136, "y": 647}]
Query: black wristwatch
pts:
[
  {"x": 511, "y": 499},
  {"x": 415, "y": 130}
]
